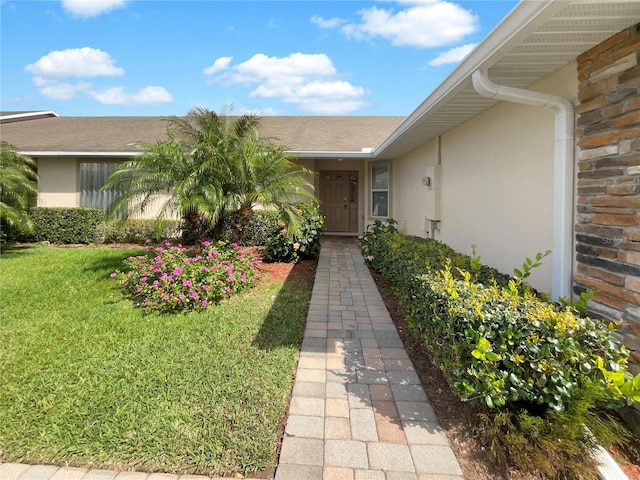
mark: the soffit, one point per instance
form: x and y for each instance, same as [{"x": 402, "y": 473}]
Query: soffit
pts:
[{"x": 524, "y": 54}]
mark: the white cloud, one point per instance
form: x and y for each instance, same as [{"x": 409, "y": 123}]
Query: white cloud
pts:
[
  {"x": 425, "y": 24},
  {"x": 120, "y": 96},
  {"x": 453, "y": 56},
  {"x": 59, "y": 90},
  {"x": 75, "y": 62},
  {"x": 54, "y": 74},
  {"x": 220, "y": 64},
  {"x": 327, "y": 22},
  {"x": 309, "y": 81},
  {"x": 91, "y": 8}
]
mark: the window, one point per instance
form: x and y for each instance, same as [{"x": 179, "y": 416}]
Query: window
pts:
[
  {"x": 93, "y": 176},
  {"x": 380, "y": 190}
]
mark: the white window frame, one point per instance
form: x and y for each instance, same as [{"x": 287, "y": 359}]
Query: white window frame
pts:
[{"x": 373, "y": 190}]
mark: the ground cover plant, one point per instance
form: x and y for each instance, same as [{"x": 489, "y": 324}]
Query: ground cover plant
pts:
[
  {"x": 89, "y": 379},
  {"x": 537, "y": 372},
  {"x": 167, "y": 278}
]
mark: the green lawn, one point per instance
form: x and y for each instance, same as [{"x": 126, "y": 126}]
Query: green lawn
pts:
[{"x": 87, "y": 379}]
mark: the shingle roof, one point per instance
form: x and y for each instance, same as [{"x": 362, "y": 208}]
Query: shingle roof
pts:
[{"x": 119, "y": 134}]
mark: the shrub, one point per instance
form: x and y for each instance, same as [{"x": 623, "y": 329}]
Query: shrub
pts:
[
  {"x": 403, "y": 258},
  {"x": 497, "y": 346},
  {"x": 257, "y": 232},
  {"x": 539, "y": 371},
  {"x": 282, "y": 247},
  {"x": 167, "y": 279},
  {"x": 135, "y": 231},
  {"x": 66, "y": 225}
]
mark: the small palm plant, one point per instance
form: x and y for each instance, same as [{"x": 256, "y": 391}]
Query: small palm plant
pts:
[
  {"x": 18, "y": 187},
  {"x": 210, "y": 163}
]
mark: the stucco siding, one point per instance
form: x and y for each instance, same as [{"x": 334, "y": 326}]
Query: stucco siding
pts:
[
  {"x": 410, "y": 198},
  {"x": 58, "y": 182},
  {"x": 496, "y": 183}
]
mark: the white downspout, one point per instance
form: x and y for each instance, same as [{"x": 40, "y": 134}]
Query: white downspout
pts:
[{"x": 562, "y": 246}]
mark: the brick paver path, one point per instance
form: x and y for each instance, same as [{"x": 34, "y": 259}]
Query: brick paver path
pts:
[{"x": 358, "y": 410}]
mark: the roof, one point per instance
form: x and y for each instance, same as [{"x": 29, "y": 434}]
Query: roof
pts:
[
  {"x": 536, "y": 39},
  {"x": 117, "y": 135}
]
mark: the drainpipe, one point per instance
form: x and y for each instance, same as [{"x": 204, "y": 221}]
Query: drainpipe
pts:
[{"x": 562, "y": 246}]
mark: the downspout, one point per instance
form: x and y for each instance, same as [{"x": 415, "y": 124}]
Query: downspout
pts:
[{"x": 562, "y": 245}]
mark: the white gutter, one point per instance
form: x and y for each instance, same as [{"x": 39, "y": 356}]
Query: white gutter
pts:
[
  {"x": 16, "y": 117},
  {"x": 71, "y": 153},
  {"x": 324, "y": 154},
  {"x": 525, "y": 17},
  {"x": 562, "y": 245},
  {"x": 365, "y": 154}
]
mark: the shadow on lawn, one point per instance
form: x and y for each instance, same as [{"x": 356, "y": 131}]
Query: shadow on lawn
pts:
[
  {"x": 103, "y": 266},
  {"x": 285, "y": 322},
  {"x": 15, "y": 251}
]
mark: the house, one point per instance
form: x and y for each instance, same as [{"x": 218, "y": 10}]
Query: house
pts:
[{"x": 531, "y": 144}]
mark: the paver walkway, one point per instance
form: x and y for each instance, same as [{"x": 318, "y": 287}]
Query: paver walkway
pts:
[{"x": 358, "y": 410}]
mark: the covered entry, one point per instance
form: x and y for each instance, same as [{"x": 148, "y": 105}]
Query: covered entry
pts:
[{"x": 339, "y": 200}]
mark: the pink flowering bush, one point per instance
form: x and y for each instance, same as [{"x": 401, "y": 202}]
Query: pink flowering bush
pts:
[{"x": 167, "y": 279}]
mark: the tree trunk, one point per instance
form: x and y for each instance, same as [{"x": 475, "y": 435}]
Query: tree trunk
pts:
[
  {"x": 242, "y": 219},
  {"x": 193, "y": 232}
]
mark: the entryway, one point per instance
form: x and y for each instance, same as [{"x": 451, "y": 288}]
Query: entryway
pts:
[{"x": 339, "y": 200}]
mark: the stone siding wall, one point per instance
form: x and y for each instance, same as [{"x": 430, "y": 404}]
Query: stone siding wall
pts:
[{"x": 608, "y": 216}]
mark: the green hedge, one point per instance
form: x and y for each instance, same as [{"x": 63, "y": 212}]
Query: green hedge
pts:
[
  {"x": 495, "y": 342},
  {"x": 539, "y": 369},
  {"x": 66, "y": 225},
  {"x": 136, "y": 231}
]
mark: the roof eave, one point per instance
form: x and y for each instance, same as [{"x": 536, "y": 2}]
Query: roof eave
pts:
[
  {"x": 300, "y": 154},
  {"x": 525, "y": 15},
  {"x": 71, "y": 153},
  {"x": 368, "y": 154}
]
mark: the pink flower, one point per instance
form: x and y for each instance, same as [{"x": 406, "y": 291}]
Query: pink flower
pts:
[
  {"x": 194, "y": 296},
  {"x": 204, "y": 302},
  {"x": 177, "y": 271},
  {"x": 227, "y": 289},
  {"x": 206, "y": 244},
  {"x": 181, "y": 296},
  {"x": 166, "y": 297},
  {"x": 186, "y": 283},
  {"x": 113, "y": 275},
  {"x": 158, "y": 259},
  {"x": 206, "y": 288}
]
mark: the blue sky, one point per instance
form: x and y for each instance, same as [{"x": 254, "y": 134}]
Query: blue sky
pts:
[{"x": 135, "y": 57}]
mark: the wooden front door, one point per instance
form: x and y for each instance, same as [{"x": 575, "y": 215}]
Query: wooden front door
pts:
[{"x": 339, "y": 200}]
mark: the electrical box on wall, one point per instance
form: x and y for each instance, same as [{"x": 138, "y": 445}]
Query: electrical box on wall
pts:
[{"x": 432, "y": 201}]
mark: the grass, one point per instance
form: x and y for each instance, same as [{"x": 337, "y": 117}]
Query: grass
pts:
[{"x": 88, "y": 380}]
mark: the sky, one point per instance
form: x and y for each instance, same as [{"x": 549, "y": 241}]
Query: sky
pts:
[{"x": 161, "y": 57}]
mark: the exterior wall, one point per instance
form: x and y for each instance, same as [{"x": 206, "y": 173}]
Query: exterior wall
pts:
[
  {"x": 608, "y": 222},
  {"x": 411, "y": 201},
  {"x": 495, "y": 186},
  {"x": 58, "y": 182}
]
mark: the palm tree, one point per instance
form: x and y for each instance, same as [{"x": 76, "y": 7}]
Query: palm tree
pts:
[
  {"x": 18, "y": 187},
  {"x": 210, "y": 163}
]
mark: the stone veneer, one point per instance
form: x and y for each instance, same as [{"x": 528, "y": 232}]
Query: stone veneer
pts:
[{"x": 608, "y": 216}]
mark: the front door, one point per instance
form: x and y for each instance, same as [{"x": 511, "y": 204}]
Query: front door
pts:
[{"x": 339, "y": 200}]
